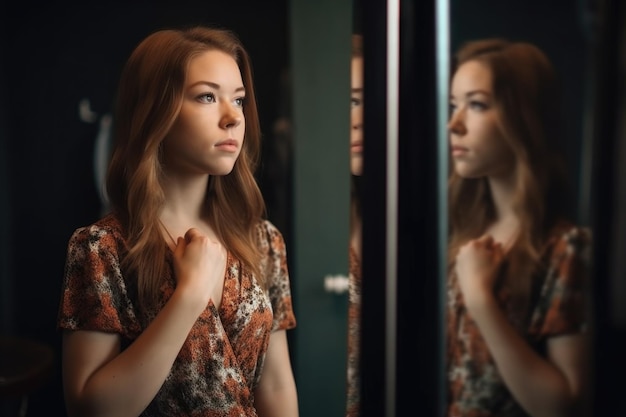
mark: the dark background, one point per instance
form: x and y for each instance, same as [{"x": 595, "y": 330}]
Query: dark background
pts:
[{"x": 51, "y": 58}]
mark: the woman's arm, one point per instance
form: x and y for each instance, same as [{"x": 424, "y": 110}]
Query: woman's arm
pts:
[
  {"x": 549, "y": 386},
  {"x": 101, "y": 380},
  {"x": 552, "y": 386},
  {"x": 276, "y": 394}
]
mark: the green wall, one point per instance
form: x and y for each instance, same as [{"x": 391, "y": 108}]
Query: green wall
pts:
[{"x": 320, "y": 56}]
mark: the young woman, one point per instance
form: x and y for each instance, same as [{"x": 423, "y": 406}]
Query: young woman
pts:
[
  {"x": 177, "y": 302},
  {"x": 354, "y": 283},
  {"x": 519, "y": 266}
]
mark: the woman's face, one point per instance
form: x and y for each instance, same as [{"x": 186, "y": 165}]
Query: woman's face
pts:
[
  {"x": 356, "y": 117},
  {"x": 477, "y": 144},
  {"x": 208, "y": 134}
]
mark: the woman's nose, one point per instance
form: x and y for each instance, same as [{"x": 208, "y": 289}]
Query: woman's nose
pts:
[
  {"x": 231, "y": 117},
  {"x": 456, "y": 124},
  {"x": 356, "y": 118}
]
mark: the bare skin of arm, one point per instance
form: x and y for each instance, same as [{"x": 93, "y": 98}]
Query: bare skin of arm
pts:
[
  {"x": 549, "y": 386},
  {"x": 276, "y": 393},
  {"x": 101, "y": 380}
]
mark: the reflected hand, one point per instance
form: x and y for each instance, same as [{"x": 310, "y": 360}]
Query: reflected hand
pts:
[{"x": 477, "y": 265}]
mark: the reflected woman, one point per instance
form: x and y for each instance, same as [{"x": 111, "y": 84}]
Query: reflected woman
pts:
[
  {"x": 356, "y": 170},
  {"x": 518, "y": 270}
]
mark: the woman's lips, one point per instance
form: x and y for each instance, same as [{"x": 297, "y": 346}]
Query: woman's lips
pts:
[
  {"x": 228, "y": 145},
  {"x": 458, "y": 150},
  {"x": 356, "y": 148}
]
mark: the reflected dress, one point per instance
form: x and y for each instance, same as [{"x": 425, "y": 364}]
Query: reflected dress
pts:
[
  {"x": 475, "y": 388},
  {"x": 354, "y": 334}
]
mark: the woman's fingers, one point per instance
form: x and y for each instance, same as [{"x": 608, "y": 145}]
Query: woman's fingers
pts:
[
  {"x": 181, "y": 244},
  {"x": 485, "y": 241},
  {"x": 485, "y": 238},
  {"x": 191, "y": 234},
  {"x": 194, "y": 233}
]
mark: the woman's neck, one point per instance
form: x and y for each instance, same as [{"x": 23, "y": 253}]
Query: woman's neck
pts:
[
  {"x": 184, "y": 205},
  {"x": 185, "y": 196}
]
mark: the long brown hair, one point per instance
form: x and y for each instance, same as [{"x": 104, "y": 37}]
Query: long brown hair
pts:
[
  {"x": 526, "y": 95},
  {"x": 149, "y": 99}
]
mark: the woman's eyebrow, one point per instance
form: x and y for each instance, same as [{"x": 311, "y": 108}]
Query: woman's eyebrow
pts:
[
  {"x": 215, "y": 85},
  {"x": 472, "y": 93}
]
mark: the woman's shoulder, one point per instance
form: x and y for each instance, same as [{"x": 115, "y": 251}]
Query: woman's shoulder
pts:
[
  {"x": 108, "y": 226},
  {"x": 266, "y": 228},
  {"x": 569, "y": 238},
  {"x": 570, "y": 232},
  {"x": 269, "y": 236}
]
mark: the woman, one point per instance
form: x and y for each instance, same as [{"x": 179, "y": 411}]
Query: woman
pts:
[
  {"x": 354, "y": 282},
  {"x": 177, "y": 302},
  {"x": 518, "y": 277}
]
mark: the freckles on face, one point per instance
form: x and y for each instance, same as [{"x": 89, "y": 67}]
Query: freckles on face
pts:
[{"x": 477, "y": 145}]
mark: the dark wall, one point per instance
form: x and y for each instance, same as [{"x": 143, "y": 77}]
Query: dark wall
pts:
[{"x": 52, "y": 58}]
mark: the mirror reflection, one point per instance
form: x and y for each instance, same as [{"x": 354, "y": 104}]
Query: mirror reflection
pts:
[
  {"x": 356, "y": 171},
  {"x": 519, "y": 264},
  {"x": 519, "y": 247},
  {"x": 519, "y": 280}
]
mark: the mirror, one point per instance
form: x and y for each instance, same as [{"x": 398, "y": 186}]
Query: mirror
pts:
[
  {"x": 568, "y": 45},
  {"x": 567, "y": 49}
]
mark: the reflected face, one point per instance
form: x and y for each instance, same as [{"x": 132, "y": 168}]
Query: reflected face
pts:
[
  {"x": 208, "y": 134},
  {"x": 477, "y": 144},
  {"x": 356, "y": 117}
]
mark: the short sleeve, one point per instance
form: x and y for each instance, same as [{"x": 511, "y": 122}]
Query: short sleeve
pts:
[
  {"x": 94, "y": 295},
  {"x": 563, "y": 306},
  {"x": 277, "y": 278}
]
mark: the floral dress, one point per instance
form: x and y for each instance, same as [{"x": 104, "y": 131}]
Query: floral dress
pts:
[
  {"x": 221, "y": 361},
  {"x": 354, "y": 334},
  {"x": 475, "y": 387}
]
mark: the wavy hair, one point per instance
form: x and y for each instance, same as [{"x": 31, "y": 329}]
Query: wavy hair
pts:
[
  {"x": 149, "y": 99},
  {"x": 526, "y": 95}
]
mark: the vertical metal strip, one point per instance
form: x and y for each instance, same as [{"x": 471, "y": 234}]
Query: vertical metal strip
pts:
[
  {"x": 442, "y": 37},
  {"x": 393, "y": 65}
]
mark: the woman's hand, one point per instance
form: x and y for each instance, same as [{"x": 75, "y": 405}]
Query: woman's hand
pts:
[
  {"x": 477, "y": 265},
  {"x": 199, "y": 264}
]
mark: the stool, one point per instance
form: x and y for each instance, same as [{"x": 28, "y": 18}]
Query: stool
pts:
[{"x": 24, "y": 366}]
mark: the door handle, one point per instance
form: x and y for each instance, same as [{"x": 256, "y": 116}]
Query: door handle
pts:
[{"x": 337, "y": 284}]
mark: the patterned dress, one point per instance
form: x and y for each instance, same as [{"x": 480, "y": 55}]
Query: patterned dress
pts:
[
  {"x": 475, "y": 386},
  {"x": 354, "y": 333},
  {"x": 221, "y": 361}
]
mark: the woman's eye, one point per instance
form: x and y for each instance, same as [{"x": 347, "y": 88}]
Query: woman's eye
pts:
[
  {"x": 478, "y": 105},
  {"x": 239, "y": 101},
  {"x": 207, "y": 98},
  {"x": 355, "y": 102}
]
